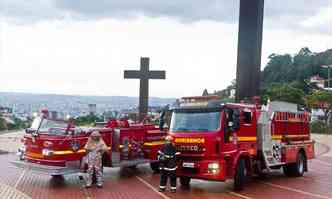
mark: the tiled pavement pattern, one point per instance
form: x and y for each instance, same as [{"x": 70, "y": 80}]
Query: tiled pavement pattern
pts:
[
  {"x": 10, "y": 192},
  {"x": 10, "y": 141}
]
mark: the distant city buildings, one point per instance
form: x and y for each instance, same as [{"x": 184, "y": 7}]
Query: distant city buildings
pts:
[
  {"x": 92, "y": 109},
  {"x": 5, "y": 110},
  {"x": 7, "y": 118},
  {"x": 54, "y": 114},
  {"x": 228, "y": 93},
  {"x": 318, "y": 81},
  {"x": 24, "y": 106}
]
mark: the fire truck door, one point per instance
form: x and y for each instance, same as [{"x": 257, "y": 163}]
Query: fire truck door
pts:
[{"x": 231, "y": 126}]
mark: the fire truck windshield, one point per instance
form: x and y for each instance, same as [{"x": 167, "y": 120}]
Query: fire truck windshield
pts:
[
  {"x": 195, "y": 121},
  {"x": 49, "y": 126}
]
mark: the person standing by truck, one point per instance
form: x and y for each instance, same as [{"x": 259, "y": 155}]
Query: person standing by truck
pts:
[
  {"x": 167, "y": 160},
  {"x": 95, "y": 147}
]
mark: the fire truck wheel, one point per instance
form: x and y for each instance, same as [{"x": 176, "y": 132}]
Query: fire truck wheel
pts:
[
  {"x": 133, "y": 167},
  {"x": 155, "y": 167},
  {"x": 185, "y": 181},
  {"x": 240, "y": 177},
  {"x": 296, "y": 169},
  {"x": 288, "y": 169},
  {"x": 300, "y": 164},
  {"x": 57, "y": 176}
]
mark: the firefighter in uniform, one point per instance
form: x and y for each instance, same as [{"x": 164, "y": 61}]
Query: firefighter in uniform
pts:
[
  {"x": 167, "y": 160},
  {"x": 95, "y": 148}
]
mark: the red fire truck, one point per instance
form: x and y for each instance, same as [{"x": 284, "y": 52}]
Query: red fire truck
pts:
[
  {"x": 236, "y": 140},
  {"x": 56, "y": 147}
]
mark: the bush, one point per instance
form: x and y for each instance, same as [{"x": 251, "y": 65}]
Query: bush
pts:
[
  {"x": 320, "y": 127},
  {"x": 88, "y": 120},
  {"x": 3, "y": 125}
]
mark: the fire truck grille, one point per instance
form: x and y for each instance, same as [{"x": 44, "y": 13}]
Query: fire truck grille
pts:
[{"x": 192, "y": 159}]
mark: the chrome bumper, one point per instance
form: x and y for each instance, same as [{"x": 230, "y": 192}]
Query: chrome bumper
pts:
[{"x": 45, "y": 169}]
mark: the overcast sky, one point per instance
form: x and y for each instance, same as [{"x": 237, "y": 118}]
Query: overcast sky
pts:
[{"x": 83, "y": 46}]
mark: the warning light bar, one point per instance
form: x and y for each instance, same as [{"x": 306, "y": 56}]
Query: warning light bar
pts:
[{"x": 197, "y": 101}]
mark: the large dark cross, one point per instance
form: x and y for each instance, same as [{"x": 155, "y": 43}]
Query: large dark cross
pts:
[
  {"x": 249, "y": 49},
  {"x": 144, "y": 74}
]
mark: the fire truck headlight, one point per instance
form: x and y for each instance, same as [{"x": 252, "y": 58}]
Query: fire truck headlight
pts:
[
  {"x": 48, "y": 144},
  {"x": 47, "y": 152},
  {"x": 213, "y": 168}
]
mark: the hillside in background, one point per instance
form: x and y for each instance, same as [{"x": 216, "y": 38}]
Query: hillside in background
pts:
[
  {"x": 72, "y": 103},
  {"x": 287, "y": 77}
]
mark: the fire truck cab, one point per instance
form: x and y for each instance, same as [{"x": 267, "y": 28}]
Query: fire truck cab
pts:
[
  {"x": 236, "y": 140},
  {"x": 56, "y": 147}
]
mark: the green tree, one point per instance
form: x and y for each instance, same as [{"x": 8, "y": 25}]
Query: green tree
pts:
[
  {"x": 276, "y": 68},
  {"x": 3, "y": 125},
  {"x": 284, "y": 92},
  {"x": 298, "y": 68},
  {"x": 88, "y": 120}
]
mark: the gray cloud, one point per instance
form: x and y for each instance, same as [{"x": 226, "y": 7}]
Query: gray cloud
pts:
[
  {"x": 184, "y": 10},
  {"x": 296, "y": 8},
  {"x": 29, "y": 11},
  {"x": 282, "y": 13}
]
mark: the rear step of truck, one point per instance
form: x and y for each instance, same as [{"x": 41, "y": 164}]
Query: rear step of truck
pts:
[{"x": 272, "y": 158}]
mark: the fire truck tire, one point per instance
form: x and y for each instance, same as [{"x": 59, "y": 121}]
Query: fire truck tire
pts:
[
  {"x": 185, "y": 181},
  {"x": 155, "y": 167},
  {"x": 57, "y": 176},
  {"x": 133, "y": 167},
  {"x": 240, "y": 177},
  {"x": 288, "y": 169},
  {"x": 296, "y": 169},
  {"x": 300, "y": 165}
]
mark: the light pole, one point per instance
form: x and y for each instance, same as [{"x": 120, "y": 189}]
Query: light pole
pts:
[{"x": 328, "y": 74}]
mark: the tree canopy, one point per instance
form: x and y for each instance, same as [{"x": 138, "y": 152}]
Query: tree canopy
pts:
[
  {"x": 284, "y": 92},
  {"x": 287, "y": 77},
  {"x": 88, "y": 120},
  {"x": 295, "y": 69}
]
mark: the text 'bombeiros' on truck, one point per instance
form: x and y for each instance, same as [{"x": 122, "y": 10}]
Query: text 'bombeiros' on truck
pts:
[
  {"x": 237, "y": 140},
  {"x": 56, "y": 147}
]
